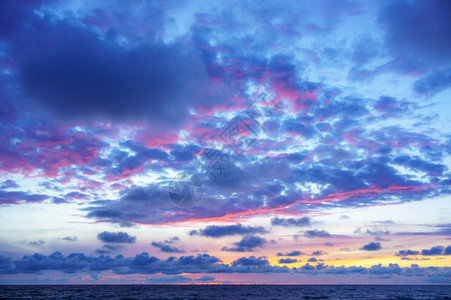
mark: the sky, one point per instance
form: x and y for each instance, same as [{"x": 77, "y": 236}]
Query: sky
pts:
[{"x": 225, "y": 142}]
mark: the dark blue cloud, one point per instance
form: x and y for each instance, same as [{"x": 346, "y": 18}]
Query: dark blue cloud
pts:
[
  {"x": 35, "y": 243},
  {"x": 312, "y": 259},
  {"x": 372, "y": 231},
  {"x": 70, "y": 238},
  {"x": 164, "y": 247},
  {"x": 407, "y": 252},
  {"x": 109, "y": 248},
  {"x": 392, "y": 107},
  {"x": 373, "y": 246},
  {"x": 116, "y": 237},
  {"x": 291, "y": 253},
  {"x": 416, "y": 163},
  {"x": 99, "y": 79},
  {"x": 15, "y": 15},
  {"x": 247, "y": 243},
  {"x": 137, "y": 204},
  {"x": 250, "y": 261},
  {"x": 172, "y": 279},
  {"x": 297, "y": 126},
  {"x": 202, "y": 263},
  {"x": 364, "y": 50},
  {"x": 433, "y": 83},
  {"x": 73, "y": 71},
  {"x": 216, "y": 231},
  {"x": 317, "y": 233},
  {"x": 417, "y": 32},
  {"x": 17, "y": 197},
  {"x": 437, "y": 250},
  {"x": 287, "y": 222},
  {"x": 8, "y": 184},
  {"x": 205, "y": 278},
  {"x": 287, "y": 260}
]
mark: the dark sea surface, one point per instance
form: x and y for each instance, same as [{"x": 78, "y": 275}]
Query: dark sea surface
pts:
[{"x": 224, "y": 292}]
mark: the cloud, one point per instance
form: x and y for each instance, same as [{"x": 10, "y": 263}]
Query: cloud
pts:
[
  {"x": 205, "y": 278},
  {"x": 433, "y": 83},
  {"x": 385, "y": 222},
  {"x": 75, "y": 69},
  {"x": 372, "y": 232},
  {"x": 437, "y": 250},
  {"x": 146, "y": 81},
  {"x": 18, "y": 197},
  {"x": 70, "y": 238},
  {"x": 251, "y": 261},
  {"x": 172, "y": 240},
  {"x": 317, "y": 233},
  {"x": 292, "y": 253},
  {"x": 247, "y": 243},
  {"x": 407, "y": 252},
  {"x": 202, "y": 263},
  {"x": 215, "y": 231},
  {"x": 447, "y": 250},
  {"x": 109, "y": 248},
  {"x": 287, "y": 222},
  {"x": 392, "y": 107},
  {"x": 373, "y": 246},
  {"x": 312, "y": 259},
  {"x": 116, "y": 237},
  {"x": 416, "y": 32},
  {"x": 287, "y": 260},
  {"x": 164, "y": 247},
  {"x": 8, "y": 184},
  {"x": 35, "y": 243},
  {"x": 171, "y": 279}
]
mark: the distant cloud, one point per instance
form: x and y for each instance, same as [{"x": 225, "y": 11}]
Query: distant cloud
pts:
[
  {"x": 373, "y": 246},
  {"x": 416, "y": 32},
  {"x": 164, "y": 247},
  {"x": 250, "y": 261},
  {"x": 317, "y": 233},
  {"x": 35, "y": 243},
  {"x": 287, "y": 222},
  {"x": 287, "y": 260},
  {"x": 109, "y": 248},
  {"x": 215, "y": 231},
  {"x": 18, "y": 197},
  {"x": 143, "y": 263},
  {"x": 8, "y": 184},
  {"x": 433, "y": 83},
  {"x": 171, "y": 279},
  {"x": 312, "y": 259},
  {"x": 437, "y": 250},
  {"x": 247, "y": 243},
  {"x": 407, "y": 252},
  {"x": 385, "y": 222},
  {"x": 70, "y": 238},
  {"x": 292, "y": 253},
  {"x": 434, "y": 251},
  {"x": 205, "y": 278},
  {"x": 116, "y": 237}
]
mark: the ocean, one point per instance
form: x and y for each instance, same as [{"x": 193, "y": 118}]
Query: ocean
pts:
[{"x": 225, "y": 292}]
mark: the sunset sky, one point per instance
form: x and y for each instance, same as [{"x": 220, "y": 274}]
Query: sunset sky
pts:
[{"x": 218, "y": 142}]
